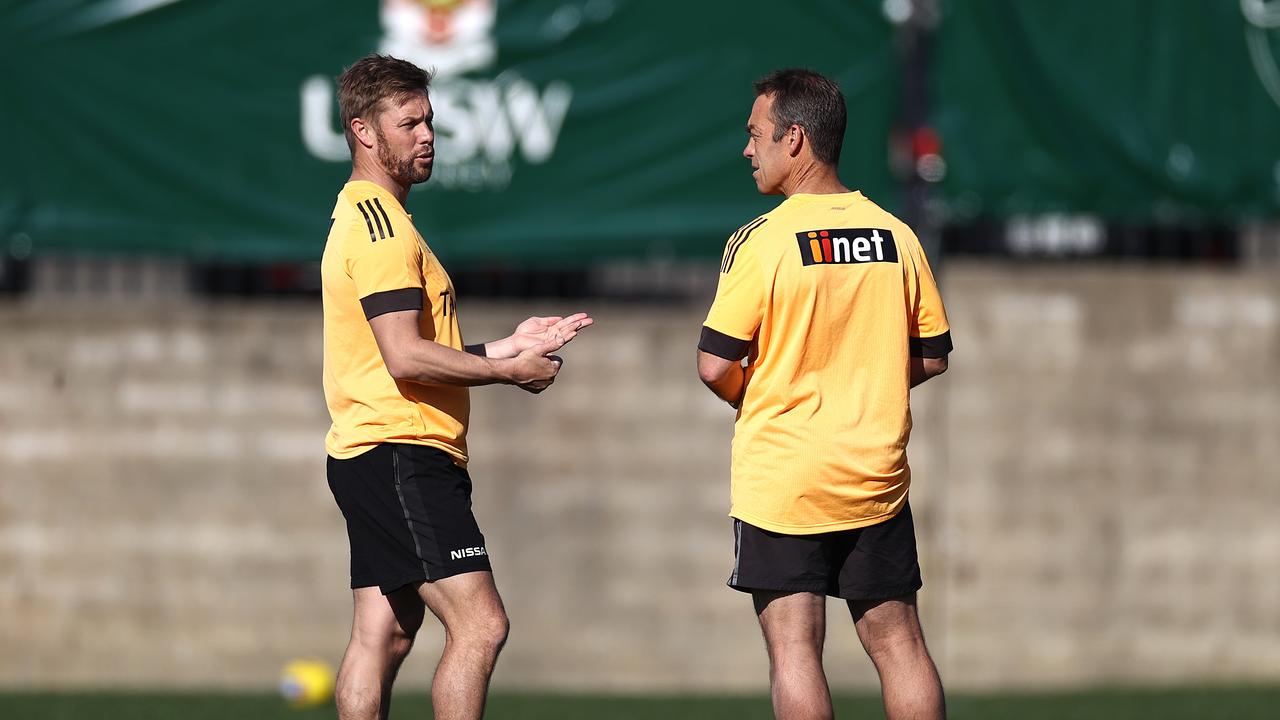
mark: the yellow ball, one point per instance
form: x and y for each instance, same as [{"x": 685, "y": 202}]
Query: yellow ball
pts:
[{"x": 307, "y": 683}]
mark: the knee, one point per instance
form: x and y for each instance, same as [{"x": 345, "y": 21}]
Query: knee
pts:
[
  {"x": 391, "y": 641},
  {"x": 400, "y": 645},
  {"x": 898, "y": 645},
  {"x": 488, "y": 630},
  {"x": 785, "y": 656},
  {"x": 497, "y": 628}
]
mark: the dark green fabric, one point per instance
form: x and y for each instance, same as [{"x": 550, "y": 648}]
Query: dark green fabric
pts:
[
  {"x": 1143, "y": 110},
  {"x": 176, "y": 127}
]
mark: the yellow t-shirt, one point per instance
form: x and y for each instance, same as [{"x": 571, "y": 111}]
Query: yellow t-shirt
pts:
[
  {"x": 827, "y": 296},
  {"x": 375, "y": 262}
]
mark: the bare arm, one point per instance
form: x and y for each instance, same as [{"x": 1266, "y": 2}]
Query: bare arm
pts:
[
  {"x": 724, "y": 377},
  {"x": 409, "y": 356},
  {"x": 924, "y": 368}
]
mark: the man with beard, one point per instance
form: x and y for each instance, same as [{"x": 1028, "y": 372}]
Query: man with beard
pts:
[{"x": 396, "y": 375}]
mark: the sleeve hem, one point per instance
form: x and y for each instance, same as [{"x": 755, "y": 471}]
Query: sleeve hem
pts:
[
  {"x": 937, "y": 346},
  {"x": 381, "y": 303},
  {"x": 721, "y": 345}
]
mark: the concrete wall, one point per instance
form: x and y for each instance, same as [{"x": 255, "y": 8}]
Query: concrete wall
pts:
[{"x": 1097, "y": 493}]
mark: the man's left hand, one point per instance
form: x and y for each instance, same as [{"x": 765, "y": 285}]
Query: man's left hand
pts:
[{"x": 538, "y": 330}]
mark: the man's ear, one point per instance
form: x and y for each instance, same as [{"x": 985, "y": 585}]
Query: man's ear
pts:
[
  {"x": 795, "y": 139},
  {"x": 363, "y": 132}
]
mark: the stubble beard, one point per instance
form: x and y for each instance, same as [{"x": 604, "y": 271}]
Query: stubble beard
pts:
[{"x": 401, "y": 169}]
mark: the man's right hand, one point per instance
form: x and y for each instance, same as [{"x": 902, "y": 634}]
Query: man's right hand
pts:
[{"x": 535, "y": 369}]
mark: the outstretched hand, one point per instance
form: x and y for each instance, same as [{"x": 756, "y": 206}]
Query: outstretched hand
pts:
[
  {"x": 533, "y": 342},
  {"x": 556, "y": 330}
]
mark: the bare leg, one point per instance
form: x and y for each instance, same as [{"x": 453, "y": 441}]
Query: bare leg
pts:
[
  {"x": 475, "y": 625},
  {"x": 382, "y": 632},
  {"x": 795, "y": 626},
  {"x": 890, "y": 631}
]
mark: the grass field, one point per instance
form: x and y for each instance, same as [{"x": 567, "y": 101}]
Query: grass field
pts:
[{"x": 1207, "y": 703}]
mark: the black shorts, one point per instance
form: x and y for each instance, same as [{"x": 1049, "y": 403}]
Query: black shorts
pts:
[
  {"x": 869, "y": 563},
  {"x": 408, "y": 512}
]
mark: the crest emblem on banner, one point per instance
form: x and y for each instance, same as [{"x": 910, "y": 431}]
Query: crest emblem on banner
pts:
[
  {"x": 451, "y": 36},
  {"x": 488, "y": 122}
]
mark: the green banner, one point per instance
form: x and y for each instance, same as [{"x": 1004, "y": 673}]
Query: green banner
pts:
[
  {"x": 569, "y": 130},
  {"x": 1150, "y": 111}
]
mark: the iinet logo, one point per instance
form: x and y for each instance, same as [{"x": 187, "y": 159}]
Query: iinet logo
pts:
[
  {"x": 461, "y": 553},
  {"x": 847, "y": 246}
]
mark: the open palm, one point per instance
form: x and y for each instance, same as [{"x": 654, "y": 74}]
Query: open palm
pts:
[{"x": 538, "y": 330}]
